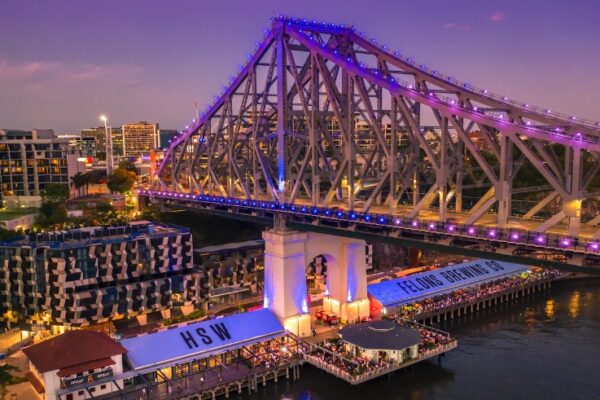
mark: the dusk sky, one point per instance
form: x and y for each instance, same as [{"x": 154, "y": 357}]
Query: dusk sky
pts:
[{"x": 63, "y": 63}]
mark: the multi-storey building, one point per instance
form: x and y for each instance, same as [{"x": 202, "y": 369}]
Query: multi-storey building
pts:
[
  {"x": 94, "y": 142},
  {"x": 93, "y": 275},
  {"x": 31, "y": 159},
  {"x": 165, "y": 135},
  {"x": 139, "y": 139}
]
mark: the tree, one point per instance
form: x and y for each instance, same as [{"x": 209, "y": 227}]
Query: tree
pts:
[
  {"x": 55, "y": 193},
  {"x": 80, "y": 180},
  {"x": 128, "y": 165},
  {"x": 6, "y": 378},
  {"x": 121, "y": 180}
]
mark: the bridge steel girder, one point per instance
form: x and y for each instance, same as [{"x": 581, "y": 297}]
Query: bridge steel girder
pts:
[
  {"x": 322, "y": 116},
  {"x": 547, "y": 255}
]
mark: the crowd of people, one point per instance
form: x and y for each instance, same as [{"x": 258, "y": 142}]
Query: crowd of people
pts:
[
  {"x": 334, "y": 352},
  {"x": 433, "y": 339},
  {"x": 272, "y": 353},
  {"x": 439, "y": 303}
]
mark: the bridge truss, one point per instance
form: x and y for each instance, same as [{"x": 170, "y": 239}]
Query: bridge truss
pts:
[{"x": 322, "y": 116}]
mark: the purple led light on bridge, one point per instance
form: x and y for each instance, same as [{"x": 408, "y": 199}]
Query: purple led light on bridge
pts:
[
  {"x": 471, "y": 230},
  {"x": 565, "y": 242},
  {"x": 398, "y": 221},
  {"x": 414, "y": 224},
  {"x": 451, "y": 228},
  {"x": 432, "y": 226},
  {"x": 514, "y": 236},
  {"x": 540, "y": 239},
  {"x": 594, "y": 246},
  {"x": 492, "y": 233}
]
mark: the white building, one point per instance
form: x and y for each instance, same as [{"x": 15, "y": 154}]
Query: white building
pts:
[{"x": 87, "y": 359}]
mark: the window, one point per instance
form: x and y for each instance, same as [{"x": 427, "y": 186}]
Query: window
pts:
[
  {"x": 80, "y": 393},
  {"x": 102, "y": 387}
]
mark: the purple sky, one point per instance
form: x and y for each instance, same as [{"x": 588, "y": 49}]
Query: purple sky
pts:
[{"x": 64, "y": 62}]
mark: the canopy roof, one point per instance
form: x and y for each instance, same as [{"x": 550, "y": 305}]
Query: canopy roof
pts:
[
  {"x": 411, "y": 288},
  {"x": 381, "y": 335},
  {"x": 201, "y": 339}
]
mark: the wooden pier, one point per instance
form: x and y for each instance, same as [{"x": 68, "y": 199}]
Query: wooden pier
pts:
[{"x": 483, "y": 302}]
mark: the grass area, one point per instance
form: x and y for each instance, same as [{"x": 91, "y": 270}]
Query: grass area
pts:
[{"x": 16, "y": 212}]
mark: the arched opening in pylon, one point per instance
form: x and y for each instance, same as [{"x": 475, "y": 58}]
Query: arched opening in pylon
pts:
[{"x": 317, "y": 276}]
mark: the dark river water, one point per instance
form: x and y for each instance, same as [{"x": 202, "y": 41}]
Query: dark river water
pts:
[{"x": 543, "y": 347}]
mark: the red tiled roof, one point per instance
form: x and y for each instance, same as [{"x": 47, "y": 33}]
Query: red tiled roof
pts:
[
  {"x": 75, "y": 369},
  {"x": 72, "y": 348}
]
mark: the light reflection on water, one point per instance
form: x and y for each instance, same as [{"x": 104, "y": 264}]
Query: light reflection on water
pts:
[
  {"x": 543, "y": 347},
  {"x": 549, "y": 309},
  {"x": 574, "y": 304}
]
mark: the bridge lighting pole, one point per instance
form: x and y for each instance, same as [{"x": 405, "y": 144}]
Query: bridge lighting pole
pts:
[{"x": 108, "y": 146}]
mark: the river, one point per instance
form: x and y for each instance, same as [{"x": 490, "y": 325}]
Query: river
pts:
[{"x": 546, "y": 347}]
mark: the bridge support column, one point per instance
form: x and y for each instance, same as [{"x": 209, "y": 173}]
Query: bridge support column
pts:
[
  {"x": 288, "y": 253},
  {"x": 285, "y": 280}
]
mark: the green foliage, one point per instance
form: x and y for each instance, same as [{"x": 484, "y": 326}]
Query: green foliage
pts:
[
  {"x": 196, "y": 314},
  {"x": 7, "y": 378},
  {"x": 104, "y": 207},
  {"x": 128, "y": 165},
  {"x": 8, "y": 235},
  {"x": 121, "y": 180},
  {"x": 55, "y": 193},
  {"x": 152, "y": 212},
  {"x": 51, "y": 214},
  {"x": 79, "y": 181}
]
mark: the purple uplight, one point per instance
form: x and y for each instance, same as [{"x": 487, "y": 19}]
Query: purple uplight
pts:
[
  {"x": 594, "y": 246},
  {"x": 451, "y": 228},
  {"x": 397, "y": 221},
  {"x": 514, "y": 236},
  {"x": 565, "y": 242},
  {"x": 415, "y": 224},
  {"x": 492, "y": 233},
  {"x": 431, "y": 225},
  {"x": 540, "y": 239},
  {"x": 471, "y": 231}
]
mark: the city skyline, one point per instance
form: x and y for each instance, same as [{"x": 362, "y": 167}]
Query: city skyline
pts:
[{"x": 70, "y": 70}]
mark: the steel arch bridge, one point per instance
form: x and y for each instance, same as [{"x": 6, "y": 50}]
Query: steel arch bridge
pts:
[{"x": 324, "y": 118}]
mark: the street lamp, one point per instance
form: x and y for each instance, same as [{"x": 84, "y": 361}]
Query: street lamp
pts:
[{"x": 108, "y": 144}]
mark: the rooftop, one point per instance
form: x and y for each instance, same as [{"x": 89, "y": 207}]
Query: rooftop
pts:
[
  {"x": 201, "y": 339},
  {"x": 381, "y": 335},
  {"x": 416, "y": 287},
  {"x": 73, "y": 352},
  {"x": 78, "y": 237}
]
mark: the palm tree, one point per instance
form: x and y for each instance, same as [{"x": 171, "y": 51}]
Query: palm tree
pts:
[{"x": 79, "y": 180}]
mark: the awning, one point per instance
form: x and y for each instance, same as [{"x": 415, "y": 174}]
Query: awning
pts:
[
  {"x": 75, "y": 369},
  {"x": 423, "y": 285},
  {"x": 201, "y": 339}
]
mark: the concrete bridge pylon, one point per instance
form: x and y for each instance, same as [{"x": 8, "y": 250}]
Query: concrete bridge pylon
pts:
[{"x": 287, "y": 254}]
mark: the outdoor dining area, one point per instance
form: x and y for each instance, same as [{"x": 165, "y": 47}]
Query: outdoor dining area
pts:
[{"x": 370, "y": 349}]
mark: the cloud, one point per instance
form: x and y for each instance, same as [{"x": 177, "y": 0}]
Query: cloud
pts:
[
  {"x": 60, "y": 95},
  {"x": 453, "y": 25},
  {"x": 497, "y": 16},
  {"x": 43, "y": 75}
]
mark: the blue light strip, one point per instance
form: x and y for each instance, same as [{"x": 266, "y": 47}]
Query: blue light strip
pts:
[{"x": 513, "y": 236}]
